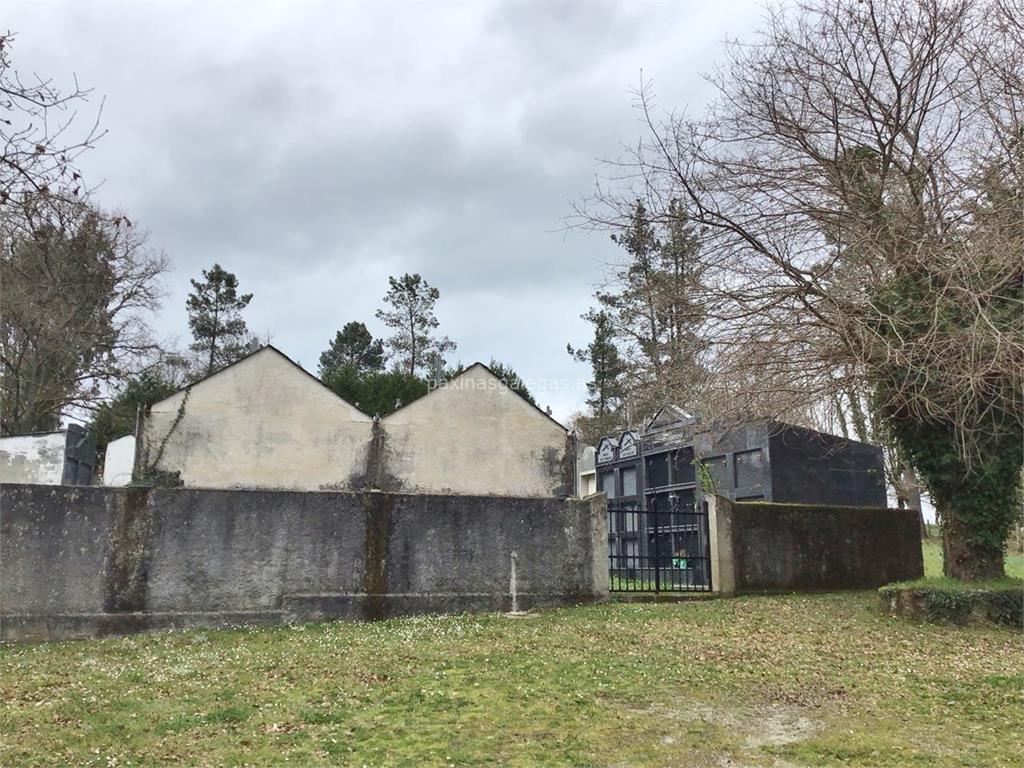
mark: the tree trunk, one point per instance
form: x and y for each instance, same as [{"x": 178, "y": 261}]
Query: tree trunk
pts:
[
  {"x": 977, "y": 501},
  {"x": 912, "y": 490},
  {"x": 860, "y": 419},
  {"x": 213, "y": 342},
  {"x": 966, "y": 558},
  {"x": 837, "y": 404}
]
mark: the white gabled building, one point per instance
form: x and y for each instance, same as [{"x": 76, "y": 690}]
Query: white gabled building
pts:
[{"x": 264, "y": 422}]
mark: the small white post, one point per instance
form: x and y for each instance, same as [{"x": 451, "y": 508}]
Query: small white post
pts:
[{"x": 513, "y": 586}]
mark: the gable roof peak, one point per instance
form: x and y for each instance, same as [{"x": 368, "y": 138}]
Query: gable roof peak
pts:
[
  {"x": 445, "y": 385},
  {"x": 249, "y": 356}
]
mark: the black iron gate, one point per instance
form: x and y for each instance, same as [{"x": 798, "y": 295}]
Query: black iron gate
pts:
[{"x": 664, "y": 548}]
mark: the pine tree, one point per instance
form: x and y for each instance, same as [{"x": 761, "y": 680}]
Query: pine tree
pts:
[
  {"x": 606, "y": 388},
  {"x": 412, "y": 300},
  {"x": 652, "y": 307},
  {"x": 353, "y": 346},
  {"x": 214, "y": 316}
]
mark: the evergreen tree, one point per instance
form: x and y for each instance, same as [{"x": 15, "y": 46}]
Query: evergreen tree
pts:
[
  {"x": 214, "y": 316},
  {"x": 377, "y": 393},
  {"x": 116, "y": 418},
  {"x": 606, "y": 388},
  {"x": 353, "y": 346},
  {"x": 411, "y": 315},
  {"x": 652, "y": 309}
]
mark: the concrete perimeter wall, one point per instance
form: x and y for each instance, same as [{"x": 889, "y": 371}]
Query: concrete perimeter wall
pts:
[
  {"x": 80, "y": 562},
  {"x": 763, "y": 546}
]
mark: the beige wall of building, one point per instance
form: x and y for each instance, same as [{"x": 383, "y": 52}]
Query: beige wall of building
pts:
[
  {"x": 474, "y": 435},
  {"x": 263, "y": 422},
  {"x": 266, "y": 423}
]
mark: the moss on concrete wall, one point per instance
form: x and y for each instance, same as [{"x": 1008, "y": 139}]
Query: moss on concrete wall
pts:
[
  {"x": 81, "y": 562},
  {"x": 801, "y": 547}
]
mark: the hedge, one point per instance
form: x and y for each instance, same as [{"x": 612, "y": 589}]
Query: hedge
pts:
[{"x": 947, "y": 601}]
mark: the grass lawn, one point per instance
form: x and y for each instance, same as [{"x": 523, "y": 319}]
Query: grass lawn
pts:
[
  {"x": 933, "y": 559},
  {"x": 760, "y": 681}
]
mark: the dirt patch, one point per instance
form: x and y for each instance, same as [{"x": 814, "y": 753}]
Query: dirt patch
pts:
[
  {"x": 773, "y": 725},
  {"x": 780, "y": 727}
]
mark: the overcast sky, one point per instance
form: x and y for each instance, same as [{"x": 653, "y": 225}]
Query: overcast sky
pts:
[{"x": 316, "y": 149}]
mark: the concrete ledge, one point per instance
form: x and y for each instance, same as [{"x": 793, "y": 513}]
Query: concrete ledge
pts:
[
  {"x": 78, "y": 626},
  {"x": 662, "y": 597},
  {"x": 982, "y": 604},
  {"x": 361, "y": 606},
  {"x": 297, "y": 608}
]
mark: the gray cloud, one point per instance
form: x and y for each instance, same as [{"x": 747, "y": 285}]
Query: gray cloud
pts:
[{"x": 314, "y": 150}]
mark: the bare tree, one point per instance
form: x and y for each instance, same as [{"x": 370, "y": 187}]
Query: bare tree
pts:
[
  {"x": 77, "y": 287},
  {"x": 852, "y": 414},
  {"x": 860, "y": 182},
  {"x": 38, "y": 146}
]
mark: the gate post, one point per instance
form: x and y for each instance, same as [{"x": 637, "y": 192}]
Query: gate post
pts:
[
  {"x": 657, "y": 559},
  {"x": 723, "y": 571}
]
